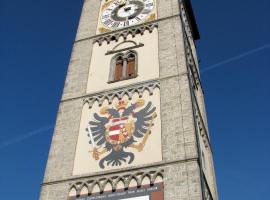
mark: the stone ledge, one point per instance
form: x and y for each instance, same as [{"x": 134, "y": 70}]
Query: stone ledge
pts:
[
  {"x": 112, "y": 172},
  {"x": 121, "y": 92}
]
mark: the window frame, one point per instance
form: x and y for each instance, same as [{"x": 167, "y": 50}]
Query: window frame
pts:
[{"x": 125, "y": 66}]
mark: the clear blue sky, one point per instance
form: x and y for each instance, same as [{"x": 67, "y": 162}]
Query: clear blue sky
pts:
[{"x": 36, "y": 40}]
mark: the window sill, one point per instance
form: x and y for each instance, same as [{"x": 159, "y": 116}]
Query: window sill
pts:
[{"x": 124, "y": 79}]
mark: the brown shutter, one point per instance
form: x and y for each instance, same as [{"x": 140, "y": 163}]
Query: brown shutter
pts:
[
  {"x": 118, "y": 71},
  {"x": 131, "y": 68}
]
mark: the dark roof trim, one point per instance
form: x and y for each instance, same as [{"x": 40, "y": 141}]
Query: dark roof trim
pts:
[{"x": 191, "y": 19}]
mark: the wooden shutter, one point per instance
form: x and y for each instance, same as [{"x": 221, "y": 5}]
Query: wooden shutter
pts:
[
  {"x": 131, "y": 68},
  {"x": 118, "y": 71}
]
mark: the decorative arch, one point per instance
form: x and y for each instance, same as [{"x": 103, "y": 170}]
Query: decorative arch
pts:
[
  {"x": 139, "y": 29},
  {"x": 120, "y": 184},
  {"x": 107, "y": 185},
  {"x": 95, "y": 187},
  {"x": 133, "y": 181},
  {"x": 72, "y": 191},
  {"x": 158, "y": 177},
  {"x": 150, "y": 86},
  {"x": 84, "y": 190},
  {"x": 111, "y": 184},
  {"x": 146, "y": 179},
  {"x": 124, "y": 42}
]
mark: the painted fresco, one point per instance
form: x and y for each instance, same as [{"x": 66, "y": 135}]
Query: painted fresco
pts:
[
  {"x": 122, "y": 134},
  {"x": 116, "y": 129}
]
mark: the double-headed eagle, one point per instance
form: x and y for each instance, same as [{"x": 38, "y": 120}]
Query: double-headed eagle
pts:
[{"x": 117, "y": 129}]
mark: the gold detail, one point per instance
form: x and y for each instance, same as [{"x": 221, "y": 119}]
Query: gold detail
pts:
[
  {"x": 139, "y": 103},
  {"x": 103, "y": 30},
  {"x": 122, "y": 2},
  {"x": 106, "y": 4},
  {"x": 96, "y": 153},
  {"x": 104, "y": 110},
  {"x": 121, "y": 104},
  {"x": 141, "y": 145},
  {"x": 122, "y": 138},
  {"x": 130, "y": 127},
  {"x": 151, "y": 17}
]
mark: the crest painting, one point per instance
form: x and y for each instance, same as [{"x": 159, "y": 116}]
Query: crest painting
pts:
[
  {"x": 121, "y": 128},
  {"x": 124, "y": 133}
]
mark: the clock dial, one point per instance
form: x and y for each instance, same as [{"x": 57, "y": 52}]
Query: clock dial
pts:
[{"x": 123, "y": 13}]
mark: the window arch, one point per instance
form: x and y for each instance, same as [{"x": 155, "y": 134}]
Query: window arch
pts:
[
  {"x": 118, "y": 71},
  {"x": 131, "y": 65},
  {"x": 123, "y": 66}
]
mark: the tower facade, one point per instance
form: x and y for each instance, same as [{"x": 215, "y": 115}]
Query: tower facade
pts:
[{"x": 131, "y": 122}]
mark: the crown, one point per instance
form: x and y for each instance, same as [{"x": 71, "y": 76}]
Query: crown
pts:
[{"x": 121, "y": 104}]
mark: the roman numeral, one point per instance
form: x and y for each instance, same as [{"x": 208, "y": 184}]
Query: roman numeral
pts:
[
  {"x": 108, "y": 22},
  {"x": 138, "y": 19},
  {"x": 105, "y": 16},
  {"x": 126, "y": 23},
  {"x": 115, "y": 24}
]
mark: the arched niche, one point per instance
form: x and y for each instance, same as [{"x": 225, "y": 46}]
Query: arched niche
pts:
[
  {"x": 158, "y": 179},
  {"x": 108, "y": 187},
  {"x": 120, "y": 185},
  {"x": 72, "y": 192},
  {"x": 146, "y": 180},
  {"x": 84, "y": 190},
  {"x": 133, "y": 183},
  {"x": 95, "y": 189}
]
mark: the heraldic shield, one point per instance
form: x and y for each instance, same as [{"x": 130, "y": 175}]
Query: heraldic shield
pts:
[{"x": 116, "y": 129}]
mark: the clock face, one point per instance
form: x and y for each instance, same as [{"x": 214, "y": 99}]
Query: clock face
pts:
[{"x": 123, "y": 13}]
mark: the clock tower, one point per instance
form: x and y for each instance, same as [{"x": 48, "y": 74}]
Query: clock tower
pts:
[{"x": 131, "y": 122}]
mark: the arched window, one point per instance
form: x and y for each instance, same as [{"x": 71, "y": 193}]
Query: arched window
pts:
[
  {"x": 123, "y": 66},
  {"x": 131, "y": 65},
  {"x": 118, "y": 71}
]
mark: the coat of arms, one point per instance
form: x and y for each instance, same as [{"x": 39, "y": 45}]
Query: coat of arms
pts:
[{"x": 117, "y": 129}]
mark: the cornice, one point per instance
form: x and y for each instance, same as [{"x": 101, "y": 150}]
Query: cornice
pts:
[
  {"x": 134, "y": 170},
  {"x": 114, "y": 181},
  {"x": 125, "y": 32},
  {"x": 121, "y": 92}
]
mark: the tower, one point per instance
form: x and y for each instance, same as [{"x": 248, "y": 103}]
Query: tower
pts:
[{"x": 131, "y": 122}]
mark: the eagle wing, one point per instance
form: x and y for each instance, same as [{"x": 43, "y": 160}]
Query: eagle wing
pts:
[
  {"x": 129, "y": 110},
  {"x": 98, "y": 129},
  {"x": 144, "y": 116},
  {"x": 114, "y": 113}
]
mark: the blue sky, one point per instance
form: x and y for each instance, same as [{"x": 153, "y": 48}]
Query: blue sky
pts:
[{"x": 36, "y": 40}]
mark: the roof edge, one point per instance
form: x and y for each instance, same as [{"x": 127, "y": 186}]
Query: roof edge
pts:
[{"x": 192, "y": 19}]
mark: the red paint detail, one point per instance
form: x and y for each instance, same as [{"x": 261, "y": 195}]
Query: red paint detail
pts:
[
  {"x": 116, "y": 127},
  {"x": 114, "y": 137},
  {"x": 119, "y": 119}
]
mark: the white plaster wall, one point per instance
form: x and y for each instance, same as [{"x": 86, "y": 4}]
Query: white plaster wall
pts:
[{"x": 148, "y": 64}]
